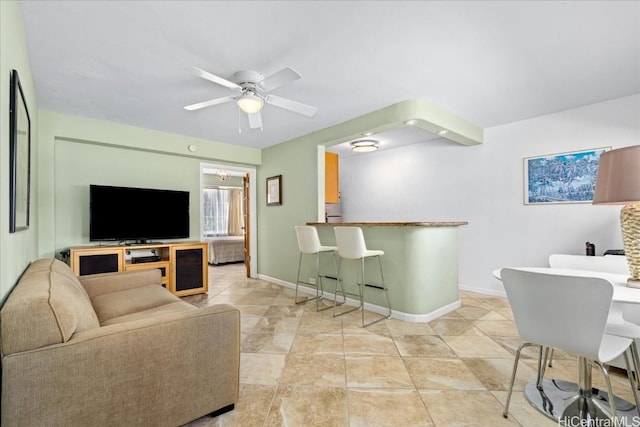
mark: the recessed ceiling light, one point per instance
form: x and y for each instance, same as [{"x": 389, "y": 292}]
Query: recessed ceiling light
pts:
[
  {"x": 410, "y": 122},
  {"x": 443, "y": 132},
  {"x": 364, "y": 145}
]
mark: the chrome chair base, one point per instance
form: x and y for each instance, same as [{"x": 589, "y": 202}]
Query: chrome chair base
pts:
[
  {"x": 318, "y": 285},
  {"x": 360, "y": 294},
  {"x": 562, "y": 402}
]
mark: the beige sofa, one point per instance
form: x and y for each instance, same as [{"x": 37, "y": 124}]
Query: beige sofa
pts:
[{"x": 113, "y": 349}]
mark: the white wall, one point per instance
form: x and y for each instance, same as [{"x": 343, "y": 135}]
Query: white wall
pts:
[{"x": 484, "y": 186}]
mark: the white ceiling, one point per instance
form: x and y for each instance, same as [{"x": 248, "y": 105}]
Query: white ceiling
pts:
[{"x": 488, "y": 62}]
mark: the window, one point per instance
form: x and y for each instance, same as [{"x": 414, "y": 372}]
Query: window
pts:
[
  {"x": 223, "y": 211},
  {"x": 216, "y": 211}
]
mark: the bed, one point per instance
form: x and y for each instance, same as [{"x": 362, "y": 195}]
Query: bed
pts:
[{"x": 225, "y": 249}]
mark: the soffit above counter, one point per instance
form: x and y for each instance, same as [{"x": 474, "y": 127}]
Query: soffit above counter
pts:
[{"x": 419, "y": 118}]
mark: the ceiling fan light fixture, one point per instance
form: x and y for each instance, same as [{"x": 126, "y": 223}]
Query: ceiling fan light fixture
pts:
[
  {"x": 250, "y": 103},
  {"x": 364, "y": 145}
]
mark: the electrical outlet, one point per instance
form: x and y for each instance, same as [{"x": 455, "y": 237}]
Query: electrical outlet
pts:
[{"x": 312, "y": 280}]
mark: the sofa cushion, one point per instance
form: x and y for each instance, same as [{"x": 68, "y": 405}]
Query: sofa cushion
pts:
[
  {"x": 174, "y": 307},
  {"x": 122, "y": 303},
  {"x": 47, "y": 306}
]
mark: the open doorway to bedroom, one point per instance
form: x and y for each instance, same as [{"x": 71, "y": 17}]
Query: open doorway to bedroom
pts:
[{"x": 228, "y": 214}]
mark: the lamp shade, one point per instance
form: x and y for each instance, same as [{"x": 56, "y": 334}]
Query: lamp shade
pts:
[{"x": 618, "y": 180}]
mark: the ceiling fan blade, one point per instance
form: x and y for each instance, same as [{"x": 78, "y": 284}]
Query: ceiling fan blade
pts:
[
  {"x": 218, "y": 80},
  {"x": 288, "y": 104},
  {"x": 281, "y": 78},
  {"x": 255, "y": 120},
  {"x": 210, "y": 103}
]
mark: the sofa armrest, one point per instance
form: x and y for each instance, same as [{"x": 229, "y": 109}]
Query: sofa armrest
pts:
[
  {"x": 106, "y": 283},
  {"x": 168, "y": 370}
]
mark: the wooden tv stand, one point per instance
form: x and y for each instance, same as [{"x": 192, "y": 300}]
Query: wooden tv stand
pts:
[{"x": 183, "y": 264}]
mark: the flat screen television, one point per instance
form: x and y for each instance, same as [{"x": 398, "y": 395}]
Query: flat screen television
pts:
[{"x": 140, "y": 214}]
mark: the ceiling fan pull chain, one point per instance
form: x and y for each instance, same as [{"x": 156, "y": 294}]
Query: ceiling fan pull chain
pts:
[{"x": 239, "y": 128}]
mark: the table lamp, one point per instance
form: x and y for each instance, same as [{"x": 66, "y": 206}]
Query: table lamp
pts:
[{"x": 618, "y": 183}]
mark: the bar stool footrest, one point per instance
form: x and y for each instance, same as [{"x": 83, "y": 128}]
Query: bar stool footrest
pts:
[
  {"x": 348, "y": 311},
  {"x": 308, "y": 299},
  {"x": 376, "y": 321}
]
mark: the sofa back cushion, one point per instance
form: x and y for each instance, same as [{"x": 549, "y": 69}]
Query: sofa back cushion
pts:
[{"x": 47, "y": 306}]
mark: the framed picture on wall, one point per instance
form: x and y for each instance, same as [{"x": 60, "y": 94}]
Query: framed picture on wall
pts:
[
  {"x": 561, "y": 178},
  {"x": 274, "y": 190},
  {"x": 19, "y": 157}
]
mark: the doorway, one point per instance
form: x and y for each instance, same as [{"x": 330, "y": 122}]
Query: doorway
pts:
[{"x": 231, "y": 177}]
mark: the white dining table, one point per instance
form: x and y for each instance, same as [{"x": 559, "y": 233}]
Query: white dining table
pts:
[
  {"x": 621, "y": 292},
  {"x": 559, "y": 399}
]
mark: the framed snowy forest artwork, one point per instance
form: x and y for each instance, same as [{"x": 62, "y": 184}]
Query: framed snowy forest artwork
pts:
[{"x": 561, "y": 178}]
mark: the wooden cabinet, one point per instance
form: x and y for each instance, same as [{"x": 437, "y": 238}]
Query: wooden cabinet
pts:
[
  {"x": 183, "y": 264},
  {"x": 189, "y": 269},
  {"x": 96, "y": 260},
  {"x": 331, "y": 181}
]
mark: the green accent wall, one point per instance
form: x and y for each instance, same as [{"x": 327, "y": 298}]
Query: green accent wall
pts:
[
  {"x": 297, "y": 162},
  {"x": 77, "y": 152},
  {"x": 105, "y": 165},
  {"x": 17, "y": 250},
  {"x": 212, "y": 180}
]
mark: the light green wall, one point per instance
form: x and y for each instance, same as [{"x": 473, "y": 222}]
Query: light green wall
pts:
[
  {"x": 16, "y": 249},
  {"x": 297, "y": 162},
  {"x": 79, "y": 164},
  {"x": 77, "y": 152},
  {"x": 213, "y": 180}
]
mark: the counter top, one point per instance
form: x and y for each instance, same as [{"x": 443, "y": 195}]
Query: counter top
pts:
[{"x": 392, "y": 224}]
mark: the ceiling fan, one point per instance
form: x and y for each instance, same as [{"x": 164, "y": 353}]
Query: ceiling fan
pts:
[{"x": 253, "y": 89}]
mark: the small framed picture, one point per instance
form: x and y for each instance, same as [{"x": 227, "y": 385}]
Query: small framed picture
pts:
[{"x": 274, "y": 190}]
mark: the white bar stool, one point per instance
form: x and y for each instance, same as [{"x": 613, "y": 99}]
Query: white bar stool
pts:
[
  {"x": 309, "y": 244},
  {"x": 352, "y": 246}
]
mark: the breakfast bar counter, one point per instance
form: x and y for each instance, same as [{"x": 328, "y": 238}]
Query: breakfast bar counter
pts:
[{"x": 420, "y": 265}]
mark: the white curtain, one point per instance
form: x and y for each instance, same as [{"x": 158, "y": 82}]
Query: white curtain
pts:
[
  {"x": 235, "y": 212},
  {"x": 216, "y": 211},
  {"x": 223, "y": 211}
]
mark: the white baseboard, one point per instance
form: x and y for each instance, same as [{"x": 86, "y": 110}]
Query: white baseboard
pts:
[
  {"x": 395, "y": 314},
  {"x": 484, "y": 291}
]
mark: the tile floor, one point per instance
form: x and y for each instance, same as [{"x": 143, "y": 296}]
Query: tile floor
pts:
[{"x": 300, "y": 367}]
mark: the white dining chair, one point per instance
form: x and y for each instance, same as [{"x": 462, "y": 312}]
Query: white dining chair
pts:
[
  {"x": 568, "y": 313},
  {"x": 616, "y": 323}
]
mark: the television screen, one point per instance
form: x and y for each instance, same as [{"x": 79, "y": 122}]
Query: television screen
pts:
[{"x": 141, "y": 214}]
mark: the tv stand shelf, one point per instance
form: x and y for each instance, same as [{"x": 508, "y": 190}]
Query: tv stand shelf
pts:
[{"x": 183, "y": 264}]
